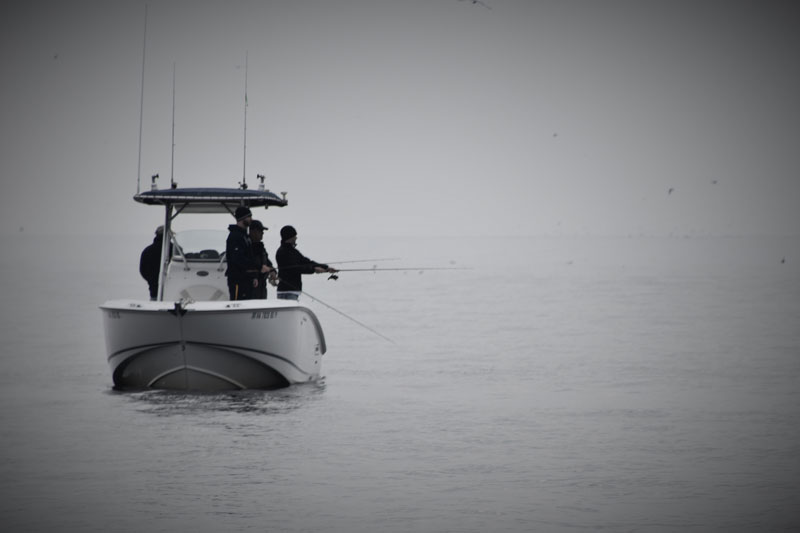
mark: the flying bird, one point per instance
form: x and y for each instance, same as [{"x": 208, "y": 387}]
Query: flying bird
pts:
[
  {"x": 478, "y": 2},
  {"x": 670, "y": 190}
]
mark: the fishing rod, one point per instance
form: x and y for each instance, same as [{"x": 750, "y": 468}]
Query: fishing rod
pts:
[
  {"x": 289, "y": 267},
  {"x": 399, "y": 269},
  {"x": 335, "y": 274},
  {"x": 335, "y": 271},
  {"x": 362, "y": 261}
]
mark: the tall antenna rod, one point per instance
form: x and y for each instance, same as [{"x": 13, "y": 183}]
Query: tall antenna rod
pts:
[
  {"x": 141, "y": 105},
  {"x": 172, "y": 167},
  {"x": 244, "y": 158}
]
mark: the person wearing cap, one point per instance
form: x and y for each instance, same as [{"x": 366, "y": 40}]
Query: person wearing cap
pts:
[
  {"x": 150, "y": 262},
  {"x": 292, "y": 265},
  {"x": 242, "y": 264},
  {"x": 267, "y": 270}
]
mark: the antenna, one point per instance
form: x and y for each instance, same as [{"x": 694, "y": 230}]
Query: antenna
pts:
[
  {"x": 244, "y": 158},
  {"x": 141, "y": 105},
  {"x": 172, "y": 165}
]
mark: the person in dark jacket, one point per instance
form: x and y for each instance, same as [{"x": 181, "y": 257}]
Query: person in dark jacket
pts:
[
  {"x": 242, "y": 264},
  {"x": 292, "y": 265},
  {"x": 266, "y": 271},
  {"x": 150, "y": 262}
]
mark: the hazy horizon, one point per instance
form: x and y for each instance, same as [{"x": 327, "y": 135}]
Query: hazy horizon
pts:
[{"x": 409, "y": 117}]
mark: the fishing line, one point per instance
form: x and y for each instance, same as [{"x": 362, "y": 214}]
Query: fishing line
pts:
[
  {"x": 334, "y": 277},
  {"x": 378, "y": 333}
]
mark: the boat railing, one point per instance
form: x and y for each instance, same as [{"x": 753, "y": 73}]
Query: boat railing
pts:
[{"x": 177, "y": 252}]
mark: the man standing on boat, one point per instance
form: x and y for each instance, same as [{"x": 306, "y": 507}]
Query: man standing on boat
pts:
[
  {"x": 150, "y": 262},
  {"x": 242, "y": 264},
  {"x": 292, "y": 265},
  {"x": 262, "y": 258}
]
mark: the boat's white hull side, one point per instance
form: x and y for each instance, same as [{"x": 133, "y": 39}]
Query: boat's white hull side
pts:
[{"x": 253, "y": 344}]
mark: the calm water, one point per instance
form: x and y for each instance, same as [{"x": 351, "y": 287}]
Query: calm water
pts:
[{"x": 560, "y": 385}]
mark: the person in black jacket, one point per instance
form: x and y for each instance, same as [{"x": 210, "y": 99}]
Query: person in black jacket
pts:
[
  {"x": 150, "y": 262},
  {"x": 242, "y": 265},
  {"x": 266, "y": 269},
  {"x": 292, "y": 265}
]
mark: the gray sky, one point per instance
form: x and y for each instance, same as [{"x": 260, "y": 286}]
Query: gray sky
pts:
[{"x": 400, "y": 117}]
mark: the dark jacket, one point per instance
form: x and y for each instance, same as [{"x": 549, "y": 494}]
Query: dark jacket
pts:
[
  {"x": 291, "y": 266},
  {"x": 150, "y": 264},
  {"x": 242, "y": 263},
  {"x": 262, "y": 258}
]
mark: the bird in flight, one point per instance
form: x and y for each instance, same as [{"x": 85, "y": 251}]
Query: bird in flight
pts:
[{"x": 478, "y": 2}]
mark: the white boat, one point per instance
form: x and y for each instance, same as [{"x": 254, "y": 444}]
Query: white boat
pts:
[{"x": 192, "y": 337}]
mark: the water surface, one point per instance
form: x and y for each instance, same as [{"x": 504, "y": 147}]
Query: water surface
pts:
[{"x": 561, "y": 384}]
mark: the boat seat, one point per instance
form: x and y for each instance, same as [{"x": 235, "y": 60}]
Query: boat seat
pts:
[
  {"x": 204, "y": 255},
  {"x": 211, "y": 255}
]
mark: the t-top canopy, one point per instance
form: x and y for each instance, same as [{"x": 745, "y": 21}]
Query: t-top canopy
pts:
[{"x": 210, "y": 199}]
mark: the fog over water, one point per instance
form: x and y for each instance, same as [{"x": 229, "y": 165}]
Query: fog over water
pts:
[
  {"x": 396, "y": 117},
  {"x": 620, "y": 178}
]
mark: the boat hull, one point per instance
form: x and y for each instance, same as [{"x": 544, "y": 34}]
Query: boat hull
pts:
[{"x": 210, "y": 346}]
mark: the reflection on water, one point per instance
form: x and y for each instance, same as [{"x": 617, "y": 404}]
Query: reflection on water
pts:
[{"x": 257, "y": 402}]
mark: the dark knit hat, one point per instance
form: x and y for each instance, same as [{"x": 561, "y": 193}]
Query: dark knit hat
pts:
[
  {"x": 242, "y": 213},
  {"x": 287, "y": 232}
]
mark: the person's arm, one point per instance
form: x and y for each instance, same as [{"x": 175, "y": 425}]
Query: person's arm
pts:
[
  {"x": 266, "y": 267},
  {"x": 303, "y": 263},
  {"x": 321, "y": 268}
]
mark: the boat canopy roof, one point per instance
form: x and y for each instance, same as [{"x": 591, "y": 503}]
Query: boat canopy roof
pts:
[{"x": 210, "y": 199}]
